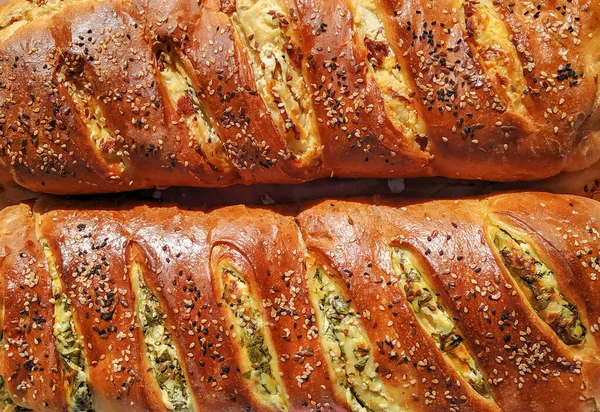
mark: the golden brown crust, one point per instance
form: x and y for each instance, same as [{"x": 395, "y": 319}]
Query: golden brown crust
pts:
[
  {"x": 465, "y": 110},
  {"x": 179, "y": 272},
  {"x": 150, "y": 145},
  {"x": 341, "y": 237},
  {"x": 251, "y": 140},
  {"x": 357, "y": 135},
  {"x": 93, "y": 276},
  {"x": 480, "y": 90},
  {"x": 277, "y": 265},
  {"x": 449, "y": 240},
  {"x": 58, "y": 121},
  {"x": 188, "y": 258},
  {"x": 29, "y": 362},
  {"x": 568, "y": 237}
]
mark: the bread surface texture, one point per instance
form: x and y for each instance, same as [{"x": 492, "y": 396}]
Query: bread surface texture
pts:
[
  {"x": 117, "y": 95},
  {"x": 369, "y": 305}
]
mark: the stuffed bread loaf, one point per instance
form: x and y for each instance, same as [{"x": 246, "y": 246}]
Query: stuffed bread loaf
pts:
[
  {"x": 105, "y": 96},
  {"x": 481, "y": 304}
]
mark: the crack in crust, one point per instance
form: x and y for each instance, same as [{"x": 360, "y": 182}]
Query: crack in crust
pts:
[
  {"x": 265, "y": 30},
  {"x": 492, "y": 41},
  {"x": 68, "y": 341},
  {"x": 71, "y": 74},
  {"x": 386, "y": 67},
  {"x": 539, "y": 283},
  {"x": 160, "y": 349},
  {"x": 16, "y": 14},
  {"x": 436, "y": 321},
  {"x": 183, "y": 95},
  {"x": 347, "y": 344},
  {"x": 259, "y": 364}
]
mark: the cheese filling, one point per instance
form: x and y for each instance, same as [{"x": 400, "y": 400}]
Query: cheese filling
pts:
[
  {"x": 183, "y": 96},
  {"x": 492, "y": 39},
  {"x": 258, "y": 364},
  {"x": 348, "y": 347},
  {"x": 68, "y": 342},
  {"x": 384, "y": 65},
  {"x": 541, "y": 287},
  {"x": 92, "y": 115},
  {"x": 18, "y": 15},
  {"x": 160, "y": 349},
  {"x": 436, "y": 321},
  {"x": 264, "y": 28}
]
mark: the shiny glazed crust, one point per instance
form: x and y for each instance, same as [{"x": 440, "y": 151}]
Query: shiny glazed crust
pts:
[
  {"x": 116, "y": 95},
  {"x": 348, "y": 305}
]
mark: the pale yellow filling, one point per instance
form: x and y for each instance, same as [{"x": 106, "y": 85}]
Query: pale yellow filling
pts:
[
  {"x": 435, "y": 320},
  {"x": 387, "y": 71},
  {"x": 91, "y": 113},
  {"x": 498, "y": 55},
  {"x": 160, "y": 349},
  {"x": 263, "y": 26},
  {"x": 68, "y": 342},
  {"x": 348, "y": 347},
  {"x": 179, "y": 87},
  {"x": 18, "y": 13},
  {"x": 257, "y": 363}
]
